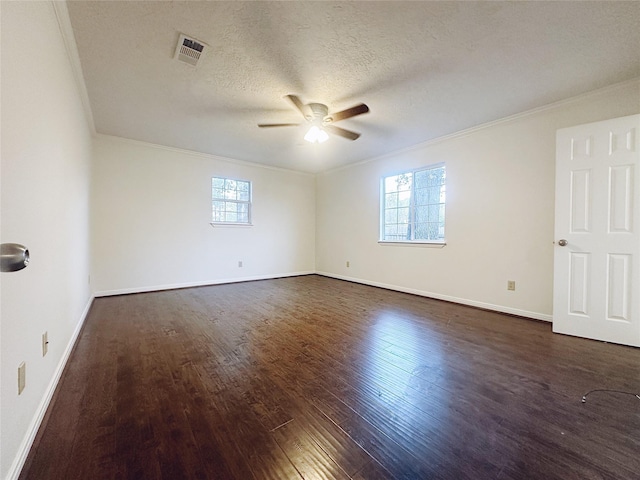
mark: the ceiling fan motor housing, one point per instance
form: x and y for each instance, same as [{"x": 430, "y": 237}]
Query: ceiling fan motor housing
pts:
[{"x": 318, "y": 112}]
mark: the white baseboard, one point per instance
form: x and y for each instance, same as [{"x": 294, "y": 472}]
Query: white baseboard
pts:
[
  {"x": 34, "y": 426},
  {"x": 422, "y": 293},
  {"x": 203, "y": 283},
  {"x": 448, "y": 298}
]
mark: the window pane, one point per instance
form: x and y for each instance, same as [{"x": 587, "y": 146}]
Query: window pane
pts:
[
  {"x": 243, "y": 212},
  {"x": 434, "y": 231},
  {"x": 391, "y": 216},
  {"x": 217, "y": 192},
  {"x": 421, "y": 178},
  {"x": 412, "y": 205},
  {"x": 397, "y": 183},
  {"x": 422, "y": 214},
  {"x": 242, "y": 217},
  {"x": 404, "y": 181},
  {"x": 421, "y": 196},
  {"x": 421, "y": 232},
  {"x": 404, "y": 199},
  {"x": 391, "y": 200},
  {"x": 434, "y": 213},
  {"x": 434, "y": 195},
  {"x": 391, "y": 184},
  {"x": 403, "y": 215},
  {"x": 431, "y": 177},
  {"x": 230, "y": 200}
]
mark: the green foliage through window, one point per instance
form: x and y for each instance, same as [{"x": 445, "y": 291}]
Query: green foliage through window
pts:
[
  {"x": 230, "y": 201},
  {"x": 413, "y": 206}
]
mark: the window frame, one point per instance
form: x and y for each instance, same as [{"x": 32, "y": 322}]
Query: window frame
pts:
[
  {"x": 249, "y": 203},
  {"x": 412, "y": 209}
]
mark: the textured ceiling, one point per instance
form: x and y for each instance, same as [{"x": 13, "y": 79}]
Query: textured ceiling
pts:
[{"x": 425, "y": 69}]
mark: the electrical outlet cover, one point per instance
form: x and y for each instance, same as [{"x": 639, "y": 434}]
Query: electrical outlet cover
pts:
[{"x": 22, "y": 377}]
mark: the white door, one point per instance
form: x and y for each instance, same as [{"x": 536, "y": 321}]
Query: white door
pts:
[{"x": 597, "y": 243}]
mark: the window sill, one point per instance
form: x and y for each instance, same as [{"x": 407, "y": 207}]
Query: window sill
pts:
[
  {"x": 413, "y": 244},
  {"x": 225, "y": 224}
]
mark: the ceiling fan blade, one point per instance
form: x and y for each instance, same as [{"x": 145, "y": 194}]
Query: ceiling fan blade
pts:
[
  {"x": 297, "y": 103},
  {"x": 341, "y": 132},
  {"x": 349, "y": 112},
  {"x": 267, "y": 125}
]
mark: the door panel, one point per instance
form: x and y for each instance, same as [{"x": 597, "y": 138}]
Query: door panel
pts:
[
  {"x": 621, "y": 199},
  {"x": 618, "y": 287},
  {"x": 597, "y": 271},
  {"x": 580, "y": 206},
  {"x": 579, "y": 283}
]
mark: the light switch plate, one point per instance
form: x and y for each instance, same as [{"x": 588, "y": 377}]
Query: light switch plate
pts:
[{"x": 22, "y": 377}]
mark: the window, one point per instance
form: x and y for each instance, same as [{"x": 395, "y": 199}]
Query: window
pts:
[
  {"x": 412, "y": 206},
  {"x": 230, "y": 201}
]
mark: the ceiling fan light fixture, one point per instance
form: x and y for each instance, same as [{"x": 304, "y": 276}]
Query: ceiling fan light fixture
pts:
[
  {"x": 316, "y": 134},
  {"x": 322, "y": 136},
  {"x": 321, "y": 123}
]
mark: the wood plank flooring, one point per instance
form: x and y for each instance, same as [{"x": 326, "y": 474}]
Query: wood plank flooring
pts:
[{"x": 316, "y": 378}]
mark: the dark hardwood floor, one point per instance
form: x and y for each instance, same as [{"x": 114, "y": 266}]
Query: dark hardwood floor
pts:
[{"x": 316, "y": 378}]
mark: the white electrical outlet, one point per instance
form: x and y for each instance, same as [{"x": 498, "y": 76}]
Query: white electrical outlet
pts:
[
  {"x": 45, "y": 343},
  {"x": 348, "y": 264},
  {"x": 22, "y": 377},
  {"x": 511, "y": 284},
  {"x": 240, "y": 263}
]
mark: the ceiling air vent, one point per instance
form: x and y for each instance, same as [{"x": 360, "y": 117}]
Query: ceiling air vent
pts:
[{"x": 189, "y": 50}]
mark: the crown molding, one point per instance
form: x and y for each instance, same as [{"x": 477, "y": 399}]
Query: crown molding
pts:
[
  {"x": 69, "y": 39},
  {"x": 469, "y": 131},
  {"x": 201, "y": 155}
]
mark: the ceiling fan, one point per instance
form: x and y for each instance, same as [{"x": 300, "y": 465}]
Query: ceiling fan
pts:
[{"x": 321, "y": 121}]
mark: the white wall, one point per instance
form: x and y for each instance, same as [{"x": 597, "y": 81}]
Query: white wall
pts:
[
  {"x": 499, "y": 212},
  {"x": 151, "y": 212},
  {"x": 45, "y": 205}
]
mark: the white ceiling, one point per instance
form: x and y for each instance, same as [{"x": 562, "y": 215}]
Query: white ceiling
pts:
[{"x": 425, "y": 69}]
